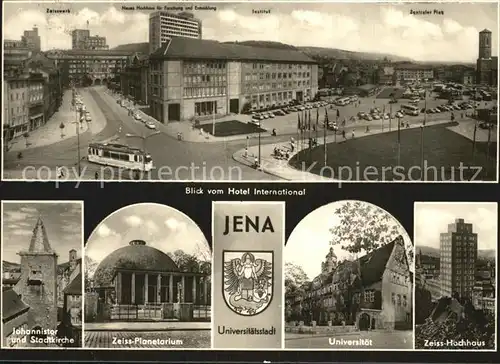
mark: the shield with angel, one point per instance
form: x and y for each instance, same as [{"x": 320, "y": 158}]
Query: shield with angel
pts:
[{"x": 248, "y": 281}]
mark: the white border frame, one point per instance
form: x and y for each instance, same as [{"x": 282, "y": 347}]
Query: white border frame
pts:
[
  {"x": 332, "y": 181},
  {"x": 82, "y": 232},
  {"x": 415, "y": 205},
  {"x": 167, "y": 348},
  {"x": 283, "y": 206}
]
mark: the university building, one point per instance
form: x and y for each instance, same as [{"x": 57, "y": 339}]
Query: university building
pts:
[
  {"x": 487, "y": 66},
  {"x": 194, "y": 78},
  {"x": 458, "y": 256},
  {"x": 138, "y": 282},
  {"x": 164, "y": 26},
  {"x": 372, "y": 292}
]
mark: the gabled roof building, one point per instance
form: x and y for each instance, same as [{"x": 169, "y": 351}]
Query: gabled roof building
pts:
[{"x": 371, "y": 292}]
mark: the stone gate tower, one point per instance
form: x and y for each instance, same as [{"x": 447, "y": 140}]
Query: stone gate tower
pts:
[{"x": 38, "y": 282}]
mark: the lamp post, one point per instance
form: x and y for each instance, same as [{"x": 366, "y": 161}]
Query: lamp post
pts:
[
  {"x": 143, "y": 138},
  {"x": 422, "y": 176},
  {"x": 77, "y": 125},
  {"x": 399, "y": 141},
  {"x": 259, "y": 145}
]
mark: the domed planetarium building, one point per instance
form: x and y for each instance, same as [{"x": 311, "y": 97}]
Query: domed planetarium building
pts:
[{"x": 139, "y": 282}]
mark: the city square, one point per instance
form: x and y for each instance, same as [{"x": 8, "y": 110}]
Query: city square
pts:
[{"x": 104, "y": 118}]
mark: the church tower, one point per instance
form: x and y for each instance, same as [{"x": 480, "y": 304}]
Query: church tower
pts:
[
  {"x": 330, "y": 261},
  {"x": 37, "y": 285},
  {"x": 485, "y": 44}
]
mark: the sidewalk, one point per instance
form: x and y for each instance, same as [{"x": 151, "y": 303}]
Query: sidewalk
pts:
[
  {"x": 71, "y": 174},
  {"x": 98, "y": 119},
  {"x": 148, "y": 326},
  {"x": 282, "y": 169},
  {"x": 50, "y": 132}
]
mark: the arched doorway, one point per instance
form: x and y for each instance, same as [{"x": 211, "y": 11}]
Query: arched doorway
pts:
[
  {"x": 364, "y": 322},
  {"x": 97, "y": 82},
  {"x": 373, "y": 324}
]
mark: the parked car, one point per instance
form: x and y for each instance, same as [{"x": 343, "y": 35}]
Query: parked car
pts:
[
  {"x": 367, "y": 117},
  {"x": 88, "y": 117},
  {"x": 399, "y": 114},
  {"x": 333, "y": 126},
  {"x": 279, "y": 113},
  {"x": 150, "y": 125},
  {"x": 486, "y": 125},
  {"x": 376, "y": 116},
  {"x": 271, "y": 114},
  {"x": 137, "y": 116}
]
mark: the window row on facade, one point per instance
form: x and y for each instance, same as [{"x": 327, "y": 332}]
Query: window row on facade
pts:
[
  {"x": 249, "y": 88},
  {"x": 280, "y": 66},
  {"x": 204, "y": 91},
  {"x": 214, "y": 79},
  {"x": 280, "y": 96},
  {"x": 205, "y": 67}
]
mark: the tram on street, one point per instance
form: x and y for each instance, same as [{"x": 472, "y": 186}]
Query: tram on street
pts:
[{"x": 119, "y": 155}]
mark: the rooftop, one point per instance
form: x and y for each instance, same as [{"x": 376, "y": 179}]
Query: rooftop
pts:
[
  {"x": 87, "y": 52},
  {"x": 12, "y": 305},
  {"x": 191, "y": 48},
  {"x": 75, "y": 286},
  {"x": 412, "y": 66}
]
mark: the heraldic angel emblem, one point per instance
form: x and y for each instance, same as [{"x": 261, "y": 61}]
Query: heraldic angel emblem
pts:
[{"x": 248, "y": 281}]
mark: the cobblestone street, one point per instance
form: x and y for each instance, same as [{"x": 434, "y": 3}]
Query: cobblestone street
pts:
[{"x": 154, "y": 340}]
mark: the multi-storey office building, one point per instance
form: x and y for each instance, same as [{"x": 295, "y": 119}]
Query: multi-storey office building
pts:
[
  {"x": 134, "y": 79},
  {"x": 96, "y": 43},
  {"x": 89, "y": 66},
  {"x": 78, "y": 38},
  {"x": 458, "y": 256},
  {"x": 81, "y": 39},
  {"x": 194, "y": 78},
  {"x": 166, "y": 25},
  {"x": 413, "y": 72},
  {"x": 31, "y": 39}
]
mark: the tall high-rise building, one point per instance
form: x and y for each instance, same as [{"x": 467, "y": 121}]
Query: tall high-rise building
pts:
[
  {"x": 487, "y": 66},
  {"x": 78, "y": 38},
  {"x": 81, "y": 39},
  {"x": 31, "y": 39},
  {"x": 458, "y": 256},
  {"x": 165, "y": 25}
]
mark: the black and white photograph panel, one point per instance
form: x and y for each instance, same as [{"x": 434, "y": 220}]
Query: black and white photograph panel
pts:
[
  {"x": 42, "y": 278},
  {"x": 147, "y": 274},
  {"x": 455, "y": 275},
  {"x": 248, "y": 240},
  {"x": 395, "y": 92},
  {"x": 349, "y": 280}
]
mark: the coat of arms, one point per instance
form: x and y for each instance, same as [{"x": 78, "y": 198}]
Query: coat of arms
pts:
[{"x": 248, "y": 285}]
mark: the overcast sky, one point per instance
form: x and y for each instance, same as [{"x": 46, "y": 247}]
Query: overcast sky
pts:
[
  {"x": 355, "y": 27},
  {"x": 62, "y": 221},
  {"x": 160, "y": 226},
  {"x": 309, "y": 241},
  {"x": 432, "y": 219}
]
